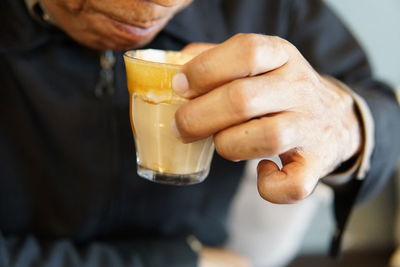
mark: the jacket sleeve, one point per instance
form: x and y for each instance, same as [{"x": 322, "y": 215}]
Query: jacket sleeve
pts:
[
  {"x": 332, "y": 50},
  {"x": 32, "y": 251}
]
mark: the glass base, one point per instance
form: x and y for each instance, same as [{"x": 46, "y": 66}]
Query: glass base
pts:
[{"x": 170, "y": 178}]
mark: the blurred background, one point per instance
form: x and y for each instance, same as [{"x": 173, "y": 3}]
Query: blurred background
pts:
[{"x": 371, "y": 235}]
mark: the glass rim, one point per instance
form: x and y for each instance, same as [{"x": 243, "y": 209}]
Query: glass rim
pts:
[{"x": 128, "y": 54}]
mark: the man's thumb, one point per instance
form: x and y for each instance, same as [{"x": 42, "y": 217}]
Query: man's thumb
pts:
[{"x": 288, "y": 185}]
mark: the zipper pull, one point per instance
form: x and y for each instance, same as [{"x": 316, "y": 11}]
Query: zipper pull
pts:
[{"x": 106, "y": 81}]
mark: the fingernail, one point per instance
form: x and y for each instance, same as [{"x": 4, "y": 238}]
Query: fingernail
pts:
[
  {"x": 180, "y": 84},
  {"x": 175, "y": 130}
]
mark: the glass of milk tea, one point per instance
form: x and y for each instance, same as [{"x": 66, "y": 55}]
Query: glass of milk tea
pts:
[{"x": 161, "y": 156}]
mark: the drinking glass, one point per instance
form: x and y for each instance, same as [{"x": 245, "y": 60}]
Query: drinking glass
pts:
[{"x": 161, "y": 156}]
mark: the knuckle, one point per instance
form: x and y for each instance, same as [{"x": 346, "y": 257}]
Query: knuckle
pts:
[
  {"x": 223, "y": 148},
  {"x": 241, "y": 99},
  {"x": 258, "y": 48},
  {"x": 253, "y": 40},
  {"x": 247, "y": 38},
  {"x": 277, "y": 41},
  {"x": 282, "y": 42},
  {"x": 274, "y": 138},
  {"x": 255, "y": 45}
]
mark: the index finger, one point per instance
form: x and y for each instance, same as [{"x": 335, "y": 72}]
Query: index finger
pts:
[{"x": 241, "y": 56}]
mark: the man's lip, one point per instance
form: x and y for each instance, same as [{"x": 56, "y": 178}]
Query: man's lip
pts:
[{"x": 139, "y": 30}]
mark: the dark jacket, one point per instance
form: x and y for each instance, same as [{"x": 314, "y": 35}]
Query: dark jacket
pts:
[{"x": 69, "y": 193}]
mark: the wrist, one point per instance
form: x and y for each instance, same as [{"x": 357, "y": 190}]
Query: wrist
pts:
[
  {"x": 358, "y": 165},
  {"x": 351, "y": 138}
]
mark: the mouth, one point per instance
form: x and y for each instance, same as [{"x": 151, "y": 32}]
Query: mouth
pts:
[{"x": 139, "y": 30}]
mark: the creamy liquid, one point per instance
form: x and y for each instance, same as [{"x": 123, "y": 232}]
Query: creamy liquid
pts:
[{"x": 157, "y": 147}]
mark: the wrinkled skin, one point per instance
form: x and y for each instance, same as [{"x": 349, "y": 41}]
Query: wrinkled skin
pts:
[
  {"x": 113, "y": 24},
  {"x": 279, "y": 106}
]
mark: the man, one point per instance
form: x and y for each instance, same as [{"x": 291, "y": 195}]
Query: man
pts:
[{"x": 68, "y": 191}]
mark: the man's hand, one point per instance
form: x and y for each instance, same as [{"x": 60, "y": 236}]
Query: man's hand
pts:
[
  {"x": 259, "y": 97},
  {"x": 216, "y": 257}
]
